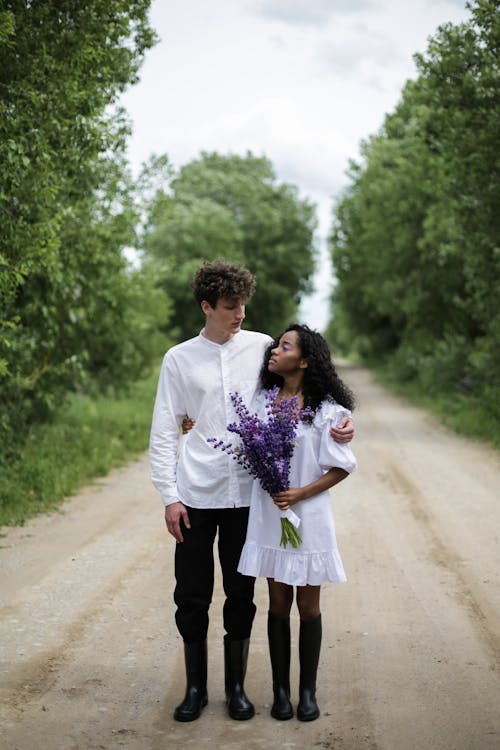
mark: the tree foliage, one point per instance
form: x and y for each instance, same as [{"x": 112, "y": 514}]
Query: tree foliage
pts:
[
  {"x": 232, "y": 207},
  {"x": 415, "y": 235},
  {"x": 71, "y": 311}
]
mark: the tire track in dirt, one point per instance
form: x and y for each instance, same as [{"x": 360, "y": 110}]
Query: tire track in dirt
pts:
[
  {"x": 480, "y": 614},
  {"x": 31, "y": 680}
]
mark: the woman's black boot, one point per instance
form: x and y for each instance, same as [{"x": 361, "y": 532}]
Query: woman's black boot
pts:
[
  {"x": 195, "y": 657},
  {"x": 309, "y": 649},
  {"x": 235, "y": 667},
  {"x": 278, "y": 633}
]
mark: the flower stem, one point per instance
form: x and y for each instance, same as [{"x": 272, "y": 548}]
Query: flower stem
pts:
[{"x": 289, "y": 534}]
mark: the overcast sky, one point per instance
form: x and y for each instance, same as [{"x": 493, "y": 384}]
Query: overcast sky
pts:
[{"x": 300, "y": 81}]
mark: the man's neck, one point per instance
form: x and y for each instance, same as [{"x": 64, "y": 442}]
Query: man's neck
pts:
[{"x": 217, "y": 336}]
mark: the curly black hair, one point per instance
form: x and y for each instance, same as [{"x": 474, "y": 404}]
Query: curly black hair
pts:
[
  {"x": 218, "y": 279},
  {"x": 320, "y": 376}
]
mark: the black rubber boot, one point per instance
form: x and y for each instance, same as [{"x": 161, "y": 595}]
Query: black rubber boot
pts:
[
  {"x": 309, "y": 649},
  {"x": 235, "y": 668},
  {"x": 278, "y": 633},
  {"x": 195, "y": 657}
]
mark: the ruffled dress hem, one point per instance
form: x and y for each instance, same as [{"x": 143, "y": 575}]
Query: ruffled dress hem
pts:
[{"x": 294, "y": 568}]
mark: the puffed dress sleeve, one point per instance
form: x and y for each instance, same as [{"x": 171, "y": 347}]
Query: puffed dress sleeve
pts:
[{"x": 331, "y": 453}]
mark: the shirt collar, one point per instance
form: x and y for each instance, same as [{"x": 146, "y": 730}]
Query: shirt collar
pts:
[{"x": 232, "y": 342}]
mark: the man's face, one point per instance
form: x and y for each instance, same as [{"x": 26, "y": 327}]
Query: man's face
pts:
[{"x": 227, "y": 315}]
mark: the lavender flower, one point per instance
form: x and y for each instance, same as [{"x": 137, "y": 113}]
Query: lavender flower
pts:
[{"x": 266, "y": 447}]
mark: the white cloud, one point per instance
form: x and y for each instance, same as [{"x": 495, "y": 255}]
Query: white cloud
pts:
[
  {"x": 308, "y": 12},
  {"x": 349, "y": 51},
  {"x": 456, "y": 3}
]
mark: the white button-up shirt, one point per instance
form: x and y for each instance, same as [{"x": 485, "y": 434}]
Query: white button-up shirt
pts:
[{"x": 197, "y": 378}]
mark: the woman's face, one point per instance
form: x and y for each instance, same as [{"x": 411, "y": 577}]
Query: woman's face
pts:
[{"x": 286, "y": 357}]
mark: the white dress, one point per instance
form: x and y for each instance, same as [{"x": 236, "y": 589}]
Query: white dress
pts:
[{"x": 317, "y": 558}]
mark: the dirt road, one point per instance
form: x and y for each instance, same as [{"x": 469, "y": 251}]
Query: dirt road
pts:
[{"x": 91, "y": 658}]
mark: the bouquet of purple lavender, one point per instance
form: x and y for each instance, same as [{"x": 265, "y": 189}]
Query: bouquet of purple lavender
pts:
[{"x": 266, "y": 448}]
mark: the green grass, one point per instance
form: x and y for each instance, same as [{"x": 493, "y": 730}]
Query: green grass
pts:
[
  {"x": 90, "y": 437},
  {"x": 467, "y": 414}
]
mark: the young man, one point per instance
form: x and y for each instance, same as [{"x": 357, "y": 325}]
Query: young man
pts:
[{"x": 204, "y": 491}]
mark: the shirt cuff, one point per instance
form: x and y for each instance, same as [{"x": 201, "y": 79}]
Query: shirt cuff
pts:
[{"x": 169, "y": 499}]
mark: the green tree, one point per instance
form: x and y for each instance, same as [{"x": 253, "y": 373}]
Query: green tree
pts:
[
  {"x": 232, "y": 207},
  {"x": 415, "y": 236},
  {"x": 66, "y": 201}
]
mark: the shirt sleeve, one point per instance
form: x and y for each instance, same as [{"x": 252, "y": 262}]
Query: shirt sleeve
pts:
[
  {"x": 169, "y": 410},
  {"x": 332, "y": 454}
]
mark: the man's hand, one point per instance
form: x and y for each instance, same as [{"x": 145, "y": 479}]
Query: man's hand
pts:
[
  {"x": 187, "y": 424},
  {"x": 173, "y": 515},
  {"x": 344, "y": 431}
]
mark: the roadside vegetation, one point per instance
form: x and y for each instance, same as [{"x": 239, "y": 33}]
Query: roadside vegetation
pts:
[
  {"x": 86, "y": 439},
  {"x": 415, "y": 234},
  {"x": 461, "y": 411}
]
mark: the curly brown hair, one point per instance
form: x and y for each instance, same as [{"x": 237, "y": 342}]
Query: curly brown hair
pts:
[{"x": 218, "y": 279}]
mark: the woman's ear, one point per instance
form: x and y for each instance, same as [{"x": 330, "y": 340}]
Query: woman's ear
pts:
[{"x": 303, "y": 364}]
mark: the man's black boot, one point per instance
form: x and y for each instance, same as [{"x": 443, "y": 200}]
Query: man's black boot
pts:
[
  {"x": 309, "y": 649},
  {"x": 235, "y": 667},
  {"x": 195, "y": 657},
  {"x": 278, "y": 633}
]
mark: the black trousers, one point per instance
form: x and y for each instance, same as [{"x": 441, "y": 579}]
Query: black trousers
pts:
[{"x": 194, "y": 574}]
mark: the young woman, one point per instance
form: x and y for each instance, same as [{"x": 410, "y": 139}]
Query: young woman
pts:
[{"x": 299, "y": 362}]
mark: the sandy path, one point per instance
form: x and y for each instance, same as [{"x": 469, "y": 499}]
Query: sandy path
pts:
[{"x": 91, "y": 658}]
